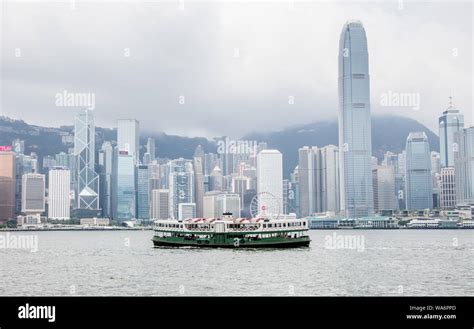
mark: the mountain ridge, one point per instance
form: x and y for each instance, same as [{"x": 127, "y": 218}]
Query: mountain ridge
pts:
[{"x": 389, "y": 133}]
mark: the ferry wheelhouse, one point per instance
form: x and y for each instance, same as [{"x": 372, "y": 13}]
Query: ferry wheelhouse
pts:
[{"x": 227, "y": 232}]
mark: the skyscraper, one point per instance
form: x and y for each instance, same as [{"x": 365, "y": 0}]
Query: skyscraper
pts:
[
  {"x": 270, "y": 182},
  {"x": 33, "y": 194},
  {"x": 307, "y": 181},
  {"x": 240, "y": 184},
  {"x": 106, "y": 156},
  {"x": 7, "y": 185},
  {"x": 447, "y": 197},
  {"x": 355, "y": 146},
  {"x": 160, "y": 204},
  {"x": 419, "y": 190},
  {"x": 209, "y": 204},
  {"x": 59, "y": 183},
  {"x": 436, "y": 178},
  {"x": 330, "y": 180},
  {"x": 385, "y": 197},
  {"x": 87, "y": 190},
  {"x": 143, "y": 192},
  {"x": 451, "y": 122},
  {"x": 181, "y": 184},
  {"x": 464, "y": 166},
  {"x": 124, "y": 190},
  {"x": 25, "y": 164},
  {"x": 198, "y": 162},
  {"x": 151, "y": 148},
  {"x": 400, "y": 179},
  {"x": 128, "y": 137},
  {"x": 318, "y": 170},
  {"x": 210, "y": 162},
  {"x": 216, "y": 180}
]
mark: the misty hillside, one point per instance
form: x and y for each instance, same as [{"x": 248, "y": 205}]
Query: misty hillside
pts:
[{"x": 389, "y": 133}]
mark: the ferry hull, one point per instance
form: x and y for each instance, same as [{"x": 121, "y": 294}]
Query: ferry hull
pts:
[{"x": 210, "y": 243}]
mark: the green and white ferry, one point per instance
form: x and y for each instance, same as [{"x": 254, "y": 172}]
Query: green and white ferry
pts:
[{"x": 227, "y": 232}]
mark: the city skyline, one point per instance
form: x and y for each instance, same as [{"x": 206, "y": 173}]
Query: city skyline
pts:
[
  {"x": 236, "y": 80},
  {"x": 117, "y": 181},
  {"x": 235, "y": 148}
]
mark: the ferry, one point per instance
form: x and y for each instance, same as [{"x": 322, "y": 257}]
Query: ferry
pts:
[{"x": 227, "y": 232}]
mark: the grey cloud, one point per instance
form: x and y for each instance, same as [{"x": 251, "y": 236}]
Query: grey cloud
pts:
[{"x": 282, "y": 52}]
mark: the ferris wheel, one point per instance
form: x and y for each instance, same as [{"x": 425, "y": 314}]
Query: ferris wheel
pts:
[{"x": 265, "y": 204}]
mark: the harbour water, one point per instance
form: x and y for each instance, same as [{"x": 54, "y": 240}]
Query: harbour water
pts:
[{"x": 338, "y": 263}]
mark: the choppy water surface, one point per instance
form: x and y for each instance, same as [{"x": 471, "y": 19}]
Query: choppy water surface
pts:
[{"x": 385, "y": 262}]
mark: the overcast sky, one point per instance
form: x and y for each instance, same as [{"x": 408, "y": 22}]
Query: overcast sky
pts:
[{"x": 236, "y": 64}]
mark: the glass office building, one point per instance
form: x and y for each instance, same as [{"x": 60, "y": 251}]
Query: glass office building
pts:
[
  {"x": 124, "y": 207},
  {"x": 450, "y": 123},
  {"x": 143, "y": 192},
  {"x": 419, "y": 187},
  {"x": 84, "y": 150},
  {"x": 355, "y": 146}
]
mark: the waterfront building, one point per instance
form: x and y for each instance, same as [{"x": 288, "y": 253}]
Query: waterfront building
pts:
[
  {"x": 318, "y": 180},
  {"x": 106, "y": 156},
  {"x": 33, "y": 194},
  {"x": 270, "y": 181},
  {"x": 143, "y": 192},
  {"x": 123, "y": 188},
  {"x": 384, "y": 188},
  {"x": 355, "y": 143},
  {"x": 419, "y": 190},
  {"x": 59, "y": 202},
  {"x": 87, "y": 182},
  {"x": 464, "y": 166},
  {"x": 160, "y": 204},
  {"x": 7, "y": 185},
  {"x": 447, "y": 188}
]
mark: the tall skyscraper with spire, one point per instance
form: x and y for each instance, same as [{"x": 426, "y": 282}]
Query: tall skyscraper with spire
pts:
[
  {"x": 451, "y": 122},
  {"x": 87, "y": 189},
  {"x": 355, "y": 145}
]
